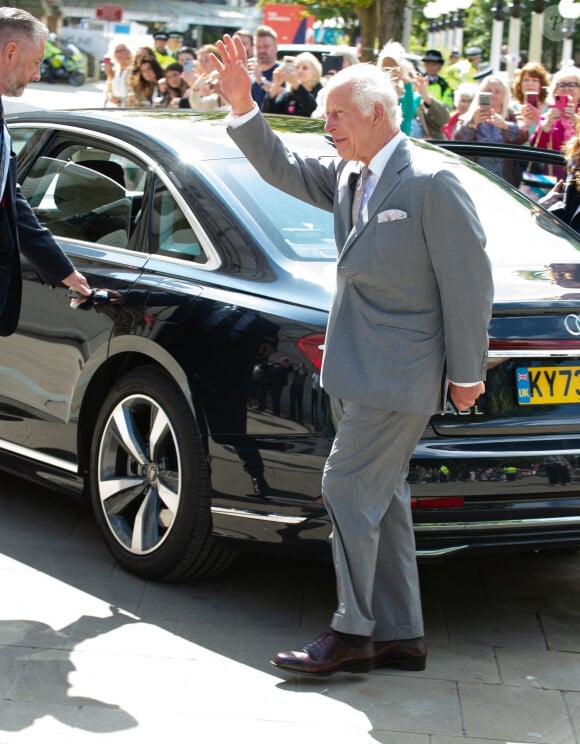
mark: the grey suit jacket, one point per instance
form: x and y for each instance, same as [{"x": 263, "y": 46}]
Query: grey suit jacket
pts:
[{"x": 413, "y": 296}]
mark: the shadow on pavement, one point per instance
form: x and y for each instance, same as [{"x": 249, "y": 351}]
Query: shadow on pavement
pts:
[{"x": 484, "y": 618}]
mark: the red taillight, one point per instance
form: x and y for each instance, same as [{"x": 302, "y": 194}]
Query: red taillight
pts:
[
  {"x": 312, "y": 347},
  {"x": 437, "y": 502},
  {"x": 533, "y": 344}
]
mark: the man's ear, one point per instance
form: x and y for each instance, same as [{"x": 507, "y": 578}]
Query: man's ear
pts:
[
  {"x": 10, "y": 52},
  {"x": 378, "y": 113}
]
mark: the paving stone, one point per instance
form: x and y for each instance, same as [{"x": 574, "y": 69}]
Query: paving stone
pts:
[
  {"x": 462, "y": 579},
  {"x": 572, "y": 700},
  {"x": 34, "y": 723},
  {"x": 561, "y": 623},
  {"x": 464, "y": 740},
  {"x": 472, "y": 622},
  {"x": 548, "y": 670},
  {"x": 396, "y": 737},
  {"x": 461, "y": 662},
  {"x": 398, "y": 701},
  {"x": 435, "y": 621},
  {"x": 89, "y": 653},
  {"x": 515, "y": 714}
]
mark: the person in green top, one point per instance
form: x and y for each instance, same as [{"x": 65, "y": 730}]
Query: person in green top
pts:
[
  {"x": 393, "y": 61},
  {"x": 423, "y": 114}
]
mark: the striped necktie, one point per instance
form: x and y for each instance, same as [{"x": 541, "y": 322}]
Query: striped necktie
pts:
[{"x": 359, "y": 194}]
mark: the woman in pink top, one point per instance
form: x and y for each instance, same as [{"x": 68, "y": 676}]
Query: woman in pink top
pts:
[{"x": 556, "y": 127}]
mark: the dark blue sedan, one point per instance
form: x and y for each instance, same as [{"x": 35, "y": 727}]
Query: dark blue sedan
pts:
[{"x": 184, "y": 401}]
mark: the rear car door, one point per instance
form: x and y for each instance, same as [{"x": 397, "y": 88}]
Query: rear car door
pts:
[{"x": 88, "y": 193}]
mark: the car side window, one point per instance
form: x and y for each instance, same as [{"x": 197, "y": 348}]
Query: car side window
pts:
[
  {"x": 84, "y": 194},
  {"x": 171, "y": 233},
  {"x": 19, "y": 137}
]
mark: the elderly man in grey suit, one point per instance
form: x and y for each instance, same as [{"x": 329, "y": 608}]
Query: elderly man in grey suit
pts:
[{"x": 409, "y": 318}]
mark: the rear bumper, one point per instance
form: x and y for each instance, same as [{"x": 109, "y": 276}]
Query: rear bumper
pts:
[{"x": 436, "y": 540}]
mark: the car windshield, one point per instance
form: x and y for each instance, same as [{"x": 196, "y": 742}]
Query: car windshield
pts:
[
  {"x": 301, "y": 232},
  {"x": 525, "y": 235},
  {"x": 522, "y": 238}
]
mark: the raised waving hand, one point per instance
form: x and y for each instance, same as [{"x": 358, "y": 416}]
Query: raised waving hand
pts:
[{"x": 234, "y": 75}]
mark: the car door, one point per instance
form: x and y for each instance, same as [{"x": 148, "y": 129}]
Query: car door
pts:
[{"x": 88, "y": 194}]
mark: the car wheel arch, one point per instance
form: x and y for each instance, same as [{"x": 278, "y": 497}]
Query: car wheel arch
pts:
[
  {"x": 148, "y": 480},
  {"x": 91, "y": 395}
]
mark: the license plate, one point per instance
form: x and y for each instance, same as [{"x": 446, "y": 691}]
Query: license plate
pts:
[{"x": 548, "y": 385}]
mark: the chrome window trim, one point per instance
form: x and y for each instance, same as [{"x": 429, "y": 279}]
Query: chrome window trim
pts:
[
  {"x": 440, "y": 552},
  {"x": 502, "y": 524},
  {"x": 532, "y": 354},
  {"x": 30, "y": 454},
  {"x": 246, "y": 514},
  {"x": 213, "y": 258},
  {"x": 102, "y": 253},
  {"x": 505, "y": 524},
  {"x": 70, "y": 467},
  {"x": 451, "y": 448}
]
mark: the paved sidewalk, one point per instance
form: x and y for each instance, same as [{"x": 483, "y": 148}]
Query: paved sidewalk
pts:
[
  {"x": 57, "y": 96},
  {"x": 89, "y": 653}
]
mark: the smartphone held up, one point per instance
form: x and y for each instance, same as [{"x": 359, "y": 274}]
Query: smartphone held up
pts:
[
  {"x": 532, "y": 98},
  {"x": 485, "y": 100}
]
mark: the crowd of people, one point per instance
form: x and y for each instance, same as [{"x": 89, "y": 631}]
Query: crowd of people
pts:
[
  {"x": 461, "y": 98},
  {"x": 168, "y": 75}
]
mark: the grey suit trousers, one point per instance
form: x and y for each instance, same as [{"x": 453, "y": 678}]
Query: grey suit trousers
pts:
[{"x": 368, "y": 498}]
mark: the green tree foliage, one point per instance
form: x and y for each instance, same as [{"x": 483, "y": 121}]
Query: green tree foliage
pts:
[
  {"x": 48, "y": 11},
  {"x": 375, "y": 22},
  {"x": 37, "y": 8}
]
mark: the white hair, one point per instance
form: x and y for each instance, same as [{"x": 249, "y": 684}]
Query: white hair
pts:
[
  {"x": 370, "y": 85},
  {"x": 391, "y": 50},
  {"x": 395, "y": 51},
  {"x": 484, "y": 86},
  {"x": 320, "y": 110},
  {"x": 349, "y": 54},
  {"x": 465, "y": 90},
  {"x": 565, "y": 72},
  {"x": 312, "y": 62}
]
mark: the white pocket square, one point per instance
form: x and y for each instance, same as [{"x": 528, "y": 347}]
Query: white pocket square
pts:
[{"x": 392, "y": 214}]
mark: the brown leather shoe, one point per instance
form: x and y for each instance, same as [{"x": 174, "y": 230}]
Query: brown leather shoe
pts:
[
  {"x": 327, "y": 655},
  {"x": 406, "y": 653}
]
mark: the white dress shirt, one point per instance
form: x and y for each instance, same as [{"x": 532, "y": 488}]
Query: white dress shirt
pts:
[{"x": 376, "y": 167}]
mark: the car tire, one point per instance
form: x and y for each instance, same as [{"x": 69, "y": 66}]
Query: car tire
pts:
[
  {"x": 76, "y": 78},
  {"x": 149, "y": 481}
]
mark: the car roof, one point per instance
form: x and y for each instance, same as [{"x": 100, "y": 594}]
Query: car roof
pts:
[
  {"x": 199, "y": 133},
  {"x": 520, "y": 251}
]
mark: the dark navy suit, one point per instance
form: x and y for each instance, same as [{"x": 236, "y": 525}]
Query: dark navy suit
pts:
[
  {"x": 568, "y": 209},
  {"x": 20, "y": 231}
]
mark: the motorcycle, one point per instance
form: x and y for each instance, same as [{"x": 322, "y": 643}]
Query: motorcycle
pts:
[{"x": 66, "y": 64}]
